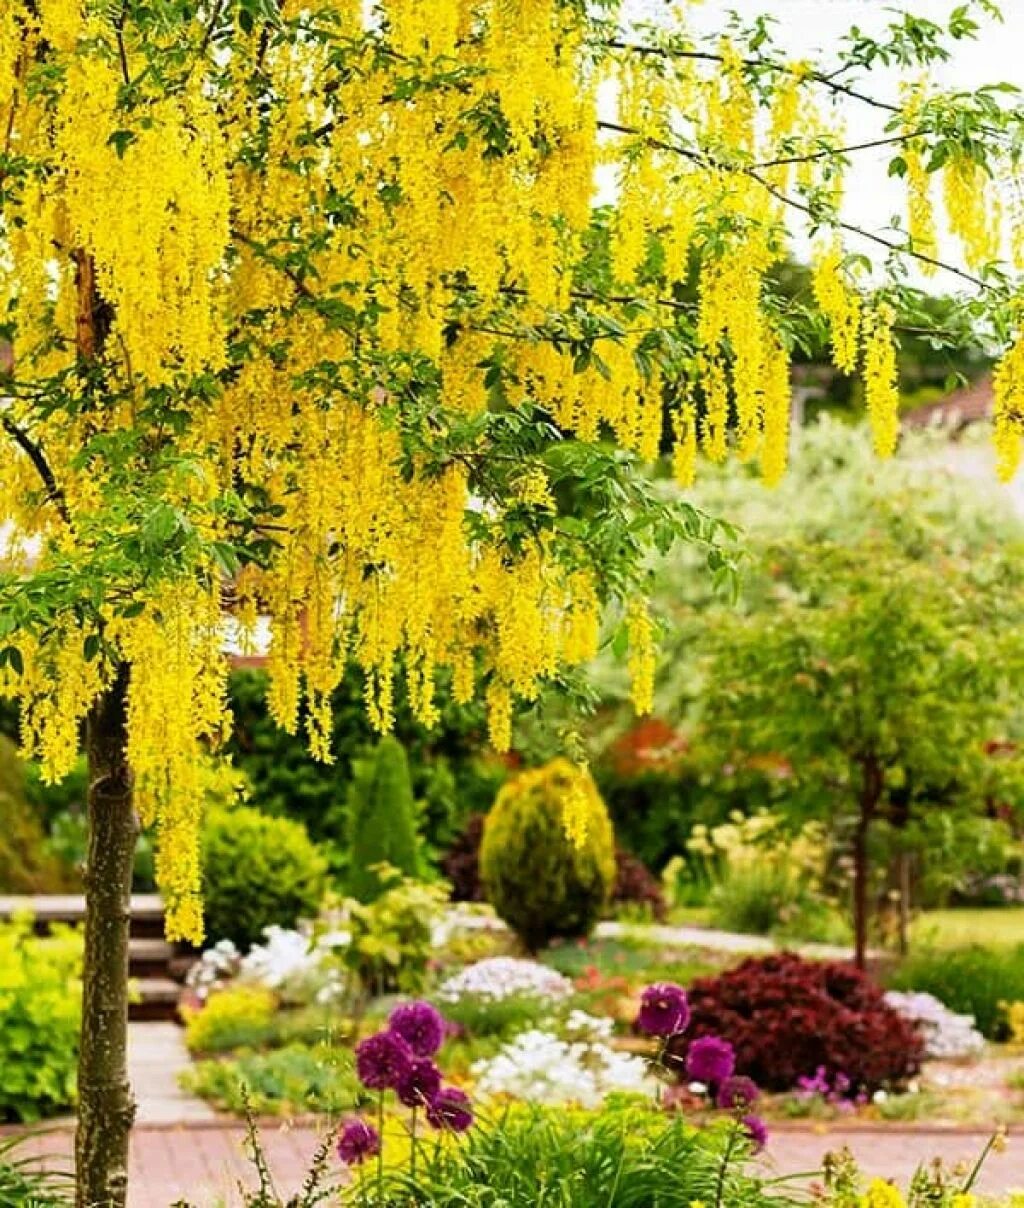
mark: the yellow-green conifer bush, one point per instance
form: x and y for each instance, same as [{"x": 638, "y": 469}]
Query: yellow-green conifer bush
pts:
[{"x": 548, "y": 854}]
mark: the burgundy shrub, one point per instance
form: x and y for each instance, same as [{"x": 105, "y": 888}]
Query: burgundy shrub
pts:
[
  {"x": 460, "y": 864},
  {"x": 786, "y": 1017},
  {"x": 635, "y": 884}
]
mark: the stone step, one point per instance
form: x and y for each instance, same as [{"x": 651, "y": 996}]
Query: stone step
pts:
[
  {"x": 147, "y": 911},
  {"x": 156, "y": 967},
  {"x": 150, "y": 957},
  {"x": 154, "y": 998}
]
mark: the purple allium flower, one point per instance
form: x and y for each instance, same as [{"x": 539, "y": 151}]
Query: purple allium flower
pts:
[
  {"x": 420, "y": 1025},
  {"x": 420, "y": 1083},
  {"x": 737, "y": 1091},
  {"x": 357, "y": 1141},
  {"x": 450, "y": 1108},
  {"x": 757, "y": 1132},
  {"x": 664, "y": 1010},
  {"x": 710, "y": 1059},
  {"x": 382, "y": 1060}
]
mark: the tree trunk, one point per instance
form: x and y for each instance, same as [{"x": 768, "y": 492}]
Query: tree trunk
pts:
[
  {"x": 106, "y": 1107},
  {"x": 905, "y": 893},
  {"x": 870, "y": 795}
]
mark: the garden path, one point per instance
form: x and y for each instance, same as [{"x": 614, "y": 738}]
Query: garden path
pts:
[
  {"x": 202, "y": 1164},
  {"x": 156, "y": 1055},
  {"x": 715, "y": 941}
]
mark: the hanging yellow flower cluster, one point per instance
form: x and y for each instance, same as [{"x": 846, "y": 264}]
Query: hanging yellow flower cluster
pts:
[
  {"x": 158, "y": 249},
  {"x": 880, "y": 378},
  {"x": 274, "y": 291},
  {"x": 920, "y": 215}
]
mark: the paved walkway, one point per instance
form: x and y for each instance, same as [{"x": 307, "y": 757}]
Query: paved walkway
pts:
[
  {"x": 156, "y": 1055},
  {"x": 715, "y": 941},
  {"x": 204, "y": 1164}
]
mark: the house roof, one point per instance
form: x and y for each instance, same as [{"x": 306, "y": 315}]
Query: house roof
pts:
[{"x": 965, "y": 406}]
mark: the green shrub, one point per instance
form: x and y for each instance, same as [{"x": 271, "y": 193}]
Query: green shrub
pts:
[
  {"x": 40, "y": 1012},
  {"x": 382, "y": 820},
  {"x": 391, "y": 938},
  {"x": 480, "y": 1015},
  {"x": 257, "y": 871},
  {"x": 26, "y": 863},
  {"x": 451, "y": 778},
  {"x": 297, "y": 1078},
  {"x": 766, "y": 898},
  {"x": 238, "y": 1018},
  {"x": 971, "y": 981},
  {"x": 543, "y": 882}
]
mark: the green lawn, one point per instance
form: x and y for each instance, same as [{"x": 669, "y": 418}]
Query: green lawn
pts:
[{"x": 1002, "y": 926}]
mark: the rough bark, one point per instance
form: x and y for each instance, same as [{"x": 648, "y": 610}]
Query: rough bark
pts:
[{"x": 106, "y": 1108}]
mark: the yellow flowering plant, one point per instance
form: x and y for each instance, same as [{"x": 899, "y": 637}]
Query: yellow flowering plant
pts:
[{"x": 311, "y": 313}]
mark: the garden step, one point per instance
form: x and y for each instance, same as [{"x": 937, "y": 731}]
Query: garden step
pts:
[
  {"x": 47, "y": 909},
  {"x": 156, "y": 967},
  {"x": 154, "y": 998},
  {"x": 150, "y": 958}
]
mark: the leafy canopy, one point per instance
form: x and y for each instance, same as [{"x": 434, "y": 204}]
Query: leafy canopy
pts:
[{"x": 314, "y": 312}]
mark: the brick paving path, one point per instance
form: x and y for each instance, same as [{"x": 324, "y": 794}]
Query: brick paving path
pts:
[{"x": 203, "y": 1163}]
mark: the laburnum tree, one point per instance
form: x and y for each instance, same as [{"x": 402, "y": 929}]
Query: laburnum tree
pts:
[{"x": 315, "y": 314}]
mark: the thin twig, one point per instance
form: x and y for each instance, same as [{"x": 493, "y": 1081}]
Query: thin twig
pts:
[
  {"x": 849, "y": 149},
  {"x": 873, "y": 236},
  {"x": 709, "y": 56},
  {"x": 122, "y": 53},
  {"x": 706, "y": 161},
  {"x": 211, "y": 25},
  {"x": 34, "y": 453}
]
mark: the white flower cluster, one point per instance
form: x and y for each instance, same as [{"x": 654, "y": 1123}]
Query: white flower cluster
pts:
[
  {"x": 291, "y": 963},
  {"x": 500, "y": 977},
  {"x": 217, "y": 966},
  {"x": 466, "y": 918},
  {"x": 543, "y": 1068},
  {"x": 946, "y": 1034}
]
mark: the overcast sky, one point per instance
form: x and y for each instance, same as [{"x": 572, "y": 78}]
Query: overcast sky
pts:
[{"x": 805, "y": 27}]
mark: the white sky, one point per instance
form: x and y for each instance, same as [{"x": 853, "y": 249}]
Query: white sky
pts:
[{"x": 805, "y": 27}]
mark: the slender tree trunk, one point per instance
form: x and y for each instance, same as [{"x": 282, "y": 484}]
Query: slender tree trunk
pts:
[
  {"x": 905, "y": 892},
  {"x": 106, "y": 1107},
  {"x": 870, "y": 795}
]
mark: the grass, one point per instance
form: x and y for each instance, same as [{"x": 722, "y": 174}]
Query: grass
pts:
[
  {"x": 995, "y": 927},
  {"x": 632, "y": 958}
]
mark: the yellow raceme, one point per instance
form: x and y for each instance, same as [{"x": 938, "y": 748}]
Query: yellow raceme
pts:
[{"x": 409, "y": 199}]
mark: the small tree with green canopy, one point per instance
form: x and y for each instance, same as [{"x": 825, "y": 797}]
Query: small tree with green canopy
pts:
[
  {"x": 878, "y": 678},
  {"x": 382, "y": 820}
]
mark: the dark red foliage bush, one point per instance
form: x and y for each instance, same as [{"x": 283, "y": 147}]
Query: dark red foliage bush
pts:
[
  {"x": 461, "y": 863},
  {"x": 635, "y": 884},
  {"x": 786, "y": 1017}
]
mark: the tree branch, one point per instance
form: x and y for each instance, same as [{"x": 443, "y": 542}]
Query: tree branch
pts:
[
  {"x": 795, "y": 203},
  {"x": 34, "y": 453},
  {"x": 709, "y": 56},
  {"x": 872, "y": 236},
  {"x": 122, "y": 53}
]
